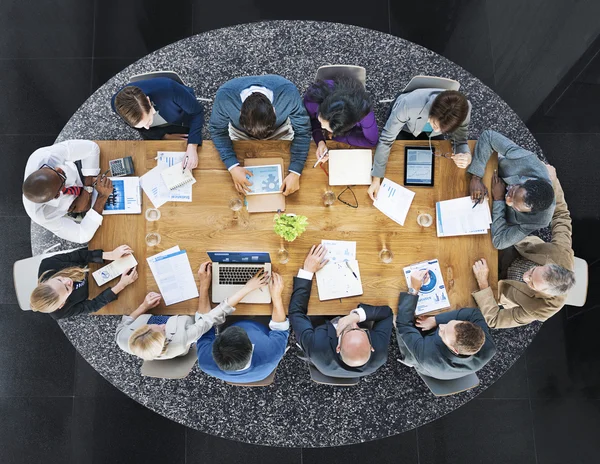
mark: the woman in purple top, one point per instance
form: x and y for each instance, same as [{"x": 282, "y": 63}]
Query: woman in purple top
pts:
[{"x": 340, "y": 110}]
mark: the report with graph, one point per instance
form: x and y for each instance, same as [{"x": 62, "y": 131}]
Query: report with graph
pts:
[{"x": 394, "y": 201}]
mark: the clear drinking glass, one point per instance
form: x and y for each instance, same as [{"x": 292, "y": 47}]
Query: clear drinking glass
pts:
[
  {"x": 328, "y": 198},
  {"x": 235, "y": 204},
  {"x": 424, "y": 219},
  {"x": 152, "y": 214},
  {"x": 386, "y": 256},
  {"x": 152, "y": 239},
  {"x": 283, "y": 256}
]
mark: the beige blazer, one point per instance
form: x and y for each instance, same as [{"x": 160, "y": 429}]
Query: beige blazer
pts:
[
  {"x": 181, "y": 331},
  {"x": 520, "y": 304}
]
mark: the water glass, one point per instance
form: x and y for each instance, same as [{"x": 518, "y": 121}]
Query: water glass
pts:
[
  {"x": 152, "y": 214},
  {"x": 386, "y": 256},
  {"x": 283, "y": 256},
  {"x": 424, "y": 219},
  {"x": 235, "y": 204},
  {"x": 328, "y": 198},
  {"x": 152, "y": 239}
]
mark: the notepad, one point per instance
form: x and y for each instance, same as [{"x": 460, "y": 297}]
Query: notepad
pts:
[
  {"x": 337, "y": 280},
  {"x": 115, "y": 269},
  {"x": 459, "y": 217},
  {"x": 350, "y": 167},
  {"x": 175, "y": 176}
]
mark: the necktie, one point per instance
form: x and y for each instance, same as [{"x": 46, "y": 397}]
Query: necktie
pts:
[{"x": 72, "y": 190}]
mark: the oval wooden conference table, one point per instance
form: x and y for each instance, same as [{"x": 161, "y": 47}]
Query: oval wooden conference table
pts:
[{"x": 207, "y": 224}]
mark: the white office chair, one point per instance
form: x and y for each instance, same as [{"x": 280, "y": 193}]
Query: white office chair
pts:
[
  {"x": 167, "y": 74},
  {"x": 427, "y": 82},
  {"x": 578, "y": 294},
  {"x": 25, "y": 276},
  {"x": 332, "y": 71},
  {"x": 450, "y": 387},
  {"x": 175, "y": 368}
]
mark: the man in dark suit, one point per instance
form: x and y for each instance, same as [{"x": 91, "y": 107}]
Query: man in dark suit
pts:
[
  {"x": 339, "y": 348},
  {"x": 460, "y": 344}
]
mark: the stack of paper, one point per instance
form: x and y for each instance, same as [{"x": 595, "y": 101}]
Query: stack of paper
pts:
[
  {"x": 154, "y": 185},
  {"x": 394, "y": 201},
  {"x": 114, "y": 269},
  {"x": 173, "y": 275},
  {"x": 459, "y": 217},
  {"x": 339, "y": 250},
  {"x": 340, "y": 278},
  {"x": 433, "y": 295}
]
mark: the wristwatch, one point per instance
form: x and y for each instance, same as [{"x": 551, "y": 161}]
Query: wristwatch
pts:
[
  {"x": 412, "y": 291},
  {"x": 88, "y": 189}
]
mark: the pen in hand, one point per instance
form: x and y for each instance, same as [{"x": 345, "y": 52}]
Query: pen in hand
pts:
[
  {"x": 477, "y": 202},
  {"x": 100, "y": 177},
  {"x": 321, "y": 157},
  {"x": 184, "y": 164}
]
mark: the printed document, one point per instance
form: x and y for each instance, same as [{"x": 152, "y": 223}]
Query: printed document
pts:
[
  {"x": 459, "y": 217},
  {"x": 433, "y": 295},
  {"x": 339, "y": 250},
  {"x": 166, "y": 159},
  {"x": 173, "y": 275},
  {"x": 115, "y": 269},
  {"x": 394, "y": 201},
  {"x": 339, "y": 280}
]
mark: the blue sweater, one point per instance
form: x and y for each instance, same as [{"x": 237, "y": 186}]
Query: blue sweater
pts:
[
  {"x": 287, "y": 103},
  {"x": 269, "y": 348},
  {"x": 175, "y": 102}
]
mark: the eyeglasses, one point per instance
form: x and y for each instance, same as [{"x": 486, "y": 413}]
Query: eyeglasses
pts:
[
  {"x": 351, "y": 205},
  {"x": 440, "y": 155},
  {"x": 63, "y": 178}
]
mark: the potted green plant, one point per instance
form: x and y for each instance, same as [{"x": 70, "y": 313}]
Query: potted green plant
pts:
[{"x": 289, "y": 227}]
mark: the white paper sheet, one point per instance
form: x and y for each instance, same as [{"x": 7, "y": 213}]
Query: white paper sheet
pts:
[
  {"x": 166, "y": 159},
  {"x": 459, "y": 217},
  {"x": 126, "y": 197},
  {"x": 350, "y": 167},
  {"x": 339, "y": 250},
  {"x": 336, "y": 280},
  {"x": 114, "y": 269},
  {"x": 394, "y": 201},
  {"x": 433, "y": 295},
  {"x": 155, "y": 188},
  {"x": 173, "y": 275}
]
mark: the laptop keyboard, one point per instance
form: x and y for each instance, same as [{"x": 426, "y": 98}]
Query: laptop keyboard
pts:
[{"x": 232, "y": 275}]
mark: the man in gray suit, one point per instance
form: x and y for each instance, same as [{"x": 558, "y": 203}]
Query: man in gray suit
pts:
[
  {"x": 424, "y": 113},
  {"x": 528, "y": 203},
  {"x": 460, "y": 344}
]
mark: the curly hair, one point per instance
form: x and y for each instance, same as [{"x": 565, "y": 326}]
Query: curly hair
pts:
[
  {"x": 343, "y": 104},
  {"x": 539, "y": 196}
]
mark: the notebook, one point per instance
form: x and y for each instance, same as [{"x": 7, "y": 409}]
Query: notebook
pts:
[
  {"x": 114, "y": 269},
  {"x": 126, "y": 197},
  {"x": 350, "y": 167},
  {"x": 339, "y": 280},
  {"x": 459, "y": 217},
  {"x": 176, "y": 176}
]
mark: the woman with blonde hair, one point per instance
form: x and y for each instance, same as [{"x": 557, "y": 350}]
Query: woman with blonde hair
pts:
[
  {"x": 165, "y": 337},
  {"x": 63, "y": 289}
]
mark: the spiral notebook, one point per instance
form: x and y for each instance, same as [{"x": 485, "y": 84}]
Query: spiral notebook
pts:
[{"x": 176, "y": 176}]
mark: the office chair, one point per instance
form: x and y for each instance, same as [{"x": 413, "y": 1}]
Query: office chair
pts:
[
  {"x": 175, "y": 368},
  {"x": 259, "y": 383},
  {"x": 427, "y": 82},
  {"x": 450, "y": 387},
  {"x": 332, "y": 71}
]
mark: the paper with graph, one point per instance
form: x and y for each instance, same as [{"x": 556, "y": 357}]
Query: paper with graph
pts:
[
  {"x": 339, "y": 280},
  {"x": 459, "y": 217},
  {"x": 339, "y": 250},
  {"x": 394, "y": 201},
  {"x": 433, "y": 295}
]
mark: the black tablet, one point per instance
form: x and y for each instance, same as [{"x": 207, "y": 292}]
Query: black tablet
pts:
[{"x": 418, "y": 166}]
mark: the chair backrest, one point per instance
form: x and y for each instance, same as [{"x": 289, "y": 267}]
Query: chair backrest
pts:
[
  {"x": 175, "y": 368},
  {"x": 450, "y": 387},
  {"x": 431, "y": 82},
  {"x": 259, "y": 383},
  {"x": 332, "y": 71},
  {"x": 152, "y": 75},
  {"x": 317, "y": 376},
  {"x": 578, "y": 294},
  {"x": 25, "y": 276}
]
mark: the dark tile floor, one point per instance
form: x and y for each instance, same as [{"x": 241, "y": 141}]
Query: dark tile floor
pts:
[{"x": 56, "y": 409}]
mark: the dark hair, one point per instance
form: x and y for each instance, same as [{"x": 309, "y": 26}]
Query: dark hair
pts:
[
  {"x": 469, "y": 338},
  {"x": 232, "y": 349},
  {"x": 450, "y": 108},
  {"x": 539, "y": 194},
  {"x": 257, "y": 116},
  {"x": 132, "y": 104},
  {"x": 343, "y": 104}
]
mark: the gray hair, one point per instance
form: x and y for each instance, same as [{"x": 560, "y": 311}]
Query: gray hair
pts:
[{"x": 558, "y": 279}]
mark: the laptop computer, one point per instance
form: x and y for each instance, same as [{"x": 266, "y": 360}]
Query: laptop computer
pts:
[{"x": 232, "y": 269}]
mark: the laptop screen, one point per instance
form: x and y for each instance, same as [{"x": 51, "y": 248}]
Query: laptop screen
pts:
[{"x": 244, "y": 257}]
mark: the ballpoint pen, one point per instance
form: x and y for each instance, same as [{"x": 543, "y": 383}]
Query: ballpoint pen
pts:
[
  {"x": 477, "y": 202},
  {"x": 184, "y": 164},
  {"x": 100, "y": 177},
  {"x": 322, "y": 156},
  {"x": 353, "y": 273}
]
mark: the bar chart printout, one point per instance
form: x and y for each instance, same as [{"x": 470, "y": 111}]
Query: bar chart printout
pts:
[{"x": 394, "y": 201}]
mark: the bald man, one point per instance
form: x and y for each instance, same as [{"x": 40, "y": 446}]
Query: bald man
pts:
[
  {"x": 340, "y": 347},
  {"x": 55, "y": 185}
]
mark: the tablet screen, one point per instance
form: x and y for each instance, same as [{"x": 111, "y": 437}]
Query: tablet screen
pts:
[{"x": 419, "y": 166}]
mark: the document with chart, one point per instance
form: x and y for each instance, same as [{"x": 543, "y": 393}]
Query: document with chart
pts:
[
  {"x": 460, "y": 217},
  {"x": 394, "y": 201},
  {"x": 126, "y": 197},
  {"x": 173, "y": 275},
  {"x": 265, "y": 179},
  {"x": 433, "y": 295}
]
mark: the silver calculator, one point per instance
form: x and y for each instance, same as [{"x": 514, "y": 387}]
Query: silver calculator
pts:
[{"x": 121, "y": 167}]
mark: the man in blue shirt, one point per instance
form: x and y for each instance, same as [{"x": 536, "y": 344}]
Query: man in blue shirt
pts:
[
  {"x": 260, "y": 108},
  {"x": 246, "y": 351}
]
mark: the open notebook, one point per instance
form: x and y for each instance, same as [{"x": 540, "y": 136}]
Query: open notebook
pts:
[
  {"x": 176, "y": 176},
  {"x": 339, "y": 280}
]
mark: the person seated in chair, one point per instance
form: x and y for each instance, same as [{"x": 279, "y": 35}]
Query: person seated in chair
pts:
[
  {"x": 538, "y": 277},
  {"x": 165, "y": 337},
  {"x": 340, "y": 110},
  {"x": 343, "y": 350},
  {"x": 59, "y": 182},
  {"x": 449, "y": 345},
  {"x": 63, "y": 289},
  {"x": 260, "y": 108},
  {"x": 247, "y": 351},
  {"x": 528, "y": 203},
  {"x": 424, "y": 114},
  {"x": 162, "y": 108}
]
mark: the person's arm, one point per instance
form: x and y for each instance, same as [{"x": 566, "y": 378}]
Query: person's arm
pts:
[
  {"x": 86, "y": 151},
  {"x": 489, "y": 142},
  {"x": 312, "y": 108},
  {"x": 504, "y": 234},
  {"x": 219, "y": 128},
  {"x": 460, "y": 136},
  {"x": 561, "y": 219},
  {"x": 87, "y": 306},
  {"x": 382, "y": 330},
  {"x": 76, "y": 257},
  {"x": 406, "y": 331},
  {"x": 206, "y": 321},
  {"x": 498, "y": 318},
  {"x": 68, "y": 229},
  {"x": 298, "y": 310},
  {"x": 364, "y": 134},
  {"x": 393, "y": 126},
  {"x": 189, "y": 105},
  {"x": 301, "y": 125}
]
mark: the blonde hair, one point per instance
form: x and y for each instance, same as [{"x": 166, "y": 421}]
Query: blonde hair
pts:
[
  {"x": 147, "y": 343},
  {"x": 44, "y": 298}
]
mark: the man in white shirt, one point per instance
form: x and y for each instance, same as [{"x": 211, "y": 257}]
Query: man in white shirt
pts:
[{"x": 54, "y": 187}]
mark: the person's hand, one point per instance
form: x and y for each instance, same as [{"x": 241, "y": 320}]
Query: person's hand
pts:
[
  {"x": 205, "y": 274},
  {"x": 462, "y": 160},
  {"x": 175, "y": 137},
  {"x": 118, "y": 252},
  {"x": 191, "y": 157},
  {"x": 259, "y": 280},
  {"x": 322, "y": 152},
  {"x": 551, "y": 172},
  {"x": 276, "y": 285},
  {"x": 315, "y": 260},
  {"x": 241, "y": 183},
  {"x": 104, "y": 187},
  {"x": 88, "y": 181},
  {"x": 129, "y": 276},
  {"x": 290, "y": 184},
  {"x": 477, "y": 189},
  {"x": 482, "y": 273},
  {"x": 498, "y": 187},
  {"x": 374, "y": 188},
  {"x": 151, "y": 301},
  {"x": 345, "y": 322},
  {"x": 426, "y": 323},
  {"x": 418, "y": 278},
  {"x": 82, "y": 203}
]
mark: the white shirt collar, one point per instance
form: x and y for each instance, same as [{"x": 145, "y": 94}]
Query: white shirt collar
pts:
[
  {"x": 249, "y": 361},
  {"x": 255, "y": 88}
]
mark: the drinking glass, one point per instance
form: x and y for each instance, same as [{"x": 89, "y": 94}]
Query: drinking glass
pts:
[
  {"x": 424, "y": 219},
  {"x": 152, "y": 239},
  {"x": 386, "y": 256},
  {"x": 283, "y": 256},
  {"x": 328, "y": 198},
  {"x": 152, "y": 214},
  {"x": 235, "y": 204}
]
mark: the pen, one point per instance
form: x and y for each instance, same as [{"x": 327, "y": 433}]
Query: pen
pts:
[
  {"x": 323, "y": 156},
  {"x": 477, "y": 202},
  {"x": 355, "y": 276},
  {"x": 100, "y": 177},
  {"x": 184, "y": 164}
]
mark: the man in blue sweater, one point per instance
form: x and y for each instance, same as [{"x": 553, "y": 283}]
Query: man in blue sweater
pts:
[
  {"x": 161, "y": 108},
  {"x": 260, "y": 108},
  {"x": 247, "y": 351}
]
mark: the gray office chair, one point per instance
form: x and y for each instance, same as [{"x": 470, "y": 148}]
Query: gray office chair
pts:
[
  {"x": 450, "y": 387},
  {"x": 260, "y": 383},
  {"x": 168, "y": 74},
  {"x": 332, "y": 71},
  {"x": 317, "y": 376},
  {"x": 175, "y": 368},
  {"x": 427, "y": 82}
]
